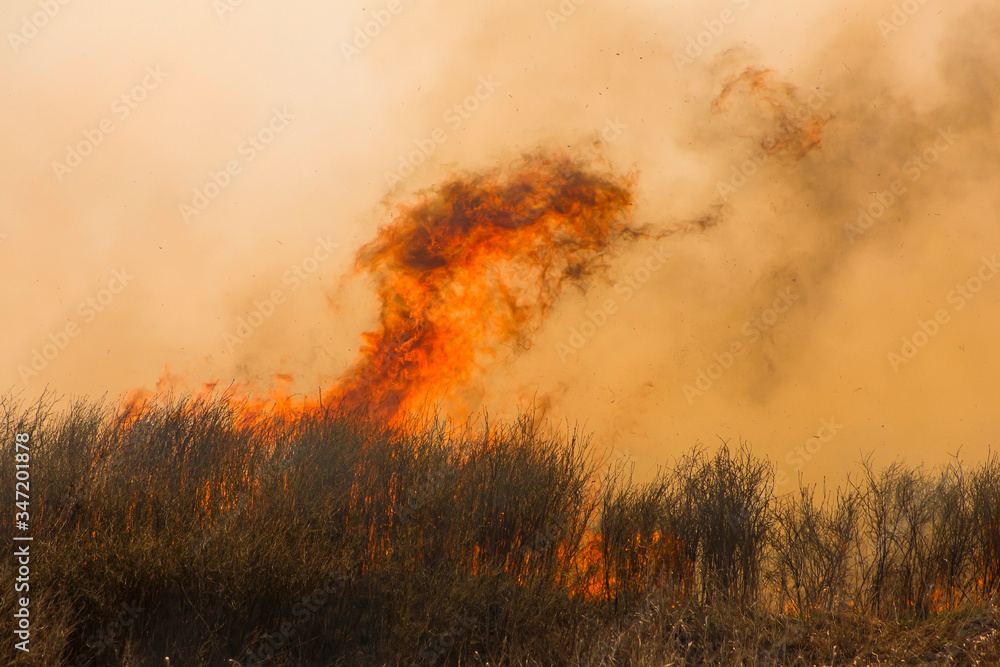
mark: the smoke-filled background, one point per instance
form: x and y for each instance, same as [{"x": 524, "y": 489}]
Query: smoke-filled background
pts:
[{"x": 187, "y": 186}]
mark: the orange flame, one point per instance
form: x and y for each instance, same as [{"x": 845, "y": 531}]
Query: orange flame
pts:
[{"x": 474, "y": 265}]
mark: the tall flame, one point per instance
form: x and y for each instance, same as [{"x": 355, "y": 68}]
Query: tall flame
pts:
[{"x": 473, "y": 265}]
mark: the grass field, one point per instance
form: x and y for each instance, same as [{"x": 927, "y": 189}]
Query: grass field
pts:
[{"x": 185, "y": 528}]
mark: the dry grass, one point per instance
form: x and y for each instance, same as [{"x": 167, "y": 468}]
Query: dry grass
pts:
[{"x": 180, "y": 529}]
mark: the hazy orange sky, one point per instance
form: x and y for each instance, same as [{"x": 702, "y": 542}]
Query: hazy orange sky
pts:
[{"x": 168, "y": 169}]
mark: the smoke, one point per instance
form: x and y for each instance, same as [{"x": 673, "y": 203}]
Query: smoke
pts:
[{"x": 843, "y": 161}]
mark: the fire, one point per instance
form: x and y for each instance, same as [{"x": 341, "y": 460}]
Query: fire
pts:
[
  {"x": 474, "y": 265},
  {"x": 248, "y": 400},
  {"x": 470, "y": 267}
]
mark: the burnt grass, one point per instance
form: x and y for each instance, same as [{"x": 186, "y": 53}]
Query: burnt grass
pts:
[{"x": 183, "y": 529}]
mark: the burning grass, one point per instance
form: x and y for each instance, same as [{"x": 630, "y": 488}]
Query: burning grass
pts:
[{"x": 315, "y": 538}]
